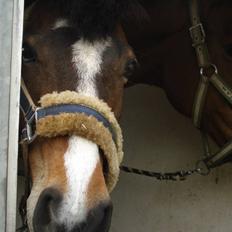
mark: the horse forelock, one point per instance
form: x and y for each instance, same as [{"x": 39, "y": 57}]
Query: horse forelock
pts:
[
  {"x": 94, "y": 19},
  {"x": 98, "y": 18}
]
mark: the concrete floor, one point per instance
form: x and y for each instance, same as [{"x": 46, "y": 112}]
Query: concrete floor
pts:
[{"x": 159, "y": 138}]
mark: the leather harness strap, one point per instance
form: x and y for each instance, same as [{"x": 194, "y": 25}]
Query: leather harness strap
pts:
[
  {"x": 27, "y": 105},
  {"x": 222, "y": 87},
  {"x": 28, "y": 108},
  {"x": 204, "y": 62},
  {"x": 199, "y": 43},
  {"x": 198, "y": 36}
]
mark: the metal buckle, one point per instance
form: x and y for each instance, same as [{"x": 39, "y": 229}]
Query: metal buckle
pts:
[
  {"x": 28, "y": 133},
  {"x": 202, "y": 168},
  {"x": 198, "y": 35}
]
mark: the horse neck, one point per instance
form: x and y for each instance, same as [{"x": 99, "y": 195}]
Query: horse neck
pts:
[
  {"x": 164, "y": 19},
  {"x": 148, "y": 37}
]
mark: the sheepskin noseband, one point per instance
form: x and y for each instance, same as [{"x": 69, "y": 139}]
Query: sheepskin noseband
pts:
[{"x": 105, "y": 133}]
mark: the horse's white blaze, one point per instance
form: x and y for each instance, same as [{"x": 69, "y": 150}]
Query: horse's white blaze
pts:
[
  {"x": 82, "y": 156},
  {"x": 87, "y": 60},
  {"x": 60, "y": 23},
  {"x": 81, "y": 159}
]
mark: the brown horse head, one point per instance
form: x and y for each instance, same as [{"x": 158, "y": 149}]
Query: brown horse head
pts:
[
  {"x": 164, "y": 50},
  {"x": 78, "y": 46}
]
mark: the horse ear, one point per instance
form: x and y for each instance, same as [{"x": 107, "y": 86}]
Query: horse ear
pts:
[{"x": 98, "y": 18}]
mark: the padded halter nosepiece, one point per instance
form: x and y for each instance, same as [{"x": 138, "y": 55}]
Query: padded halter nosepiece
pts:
[{"x": 70, "y": 113}]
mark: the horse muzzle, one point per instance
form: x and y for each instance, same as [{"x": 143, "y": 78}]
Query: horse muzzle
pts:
[{"x": 97, "y": 220}]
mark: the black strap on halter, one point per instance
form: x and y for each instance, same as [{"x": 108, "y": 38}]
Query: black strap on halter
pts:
[
  {"x": 71, "y": 108},
  {"x": 32, "y": 114},
  {"x": 25, "y": 106}
]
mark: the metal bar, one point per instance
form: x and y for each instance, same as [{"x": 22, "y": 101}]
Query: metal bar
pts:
[
  {"x": 16, "y": 57},
  {"x": 6, "y": 9},
  {"x": 11, "y": 27}
]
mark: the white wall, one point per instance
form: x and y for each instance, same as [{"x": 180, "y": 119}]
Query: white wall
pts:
[{"x": 159, "y": 138}]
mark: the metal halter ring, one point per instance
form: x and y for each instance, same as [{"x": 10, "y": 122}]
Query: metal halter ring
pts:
[
  {"x": 202, "y": 168},
  {"x": 28, "y": 133},
  {"x": 203, "y": 70}
]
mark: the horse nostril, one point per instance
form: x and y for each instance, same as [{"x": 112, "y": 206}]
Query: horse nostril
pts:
[
  {"x": 99, "y": 219},
  {"x": 48, "y": 200},
  {"x": 130, "y": 67}
]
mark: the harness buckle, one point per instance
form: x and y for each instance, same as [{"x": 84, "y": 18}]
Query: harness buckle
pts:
[
  {"x": 202, "y": 168},
  {"x": 198, "y": 35},
  {"x": 28, "y": 133},
  {"x": 208, "y": 72}
]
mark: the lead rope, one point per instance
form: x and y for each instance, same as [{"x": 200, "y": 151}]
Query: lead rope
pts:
[
  {"x": 200, "y": 169},
  {"x": 168, "y": 176}
]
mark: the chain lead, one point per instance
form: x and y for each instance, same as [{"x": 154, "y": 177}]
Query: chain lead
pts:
[{"x": 169, "y": 176}]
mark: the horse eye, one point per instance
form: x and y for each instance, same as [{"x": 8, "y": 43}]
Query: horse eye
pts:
[
  {"x": 228, "y": 50},
  {"x": 130, "y": 67},
  {"x": 28, "y": 54}
]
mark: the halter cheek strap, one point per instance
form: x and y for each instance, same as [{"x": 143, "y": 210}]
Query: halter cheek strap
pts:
[
  {"x": 204, "y": 62},
  {"x": 28, "y": 109}
]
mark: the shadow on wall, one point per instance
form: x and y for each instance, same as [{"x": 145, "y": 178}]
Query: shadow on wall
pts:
[{"x": 159, "y": 138}]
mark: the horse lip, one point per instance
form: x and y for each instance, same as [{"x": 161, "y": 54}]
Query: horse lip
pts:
[{"x": 102, "y": 226}]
